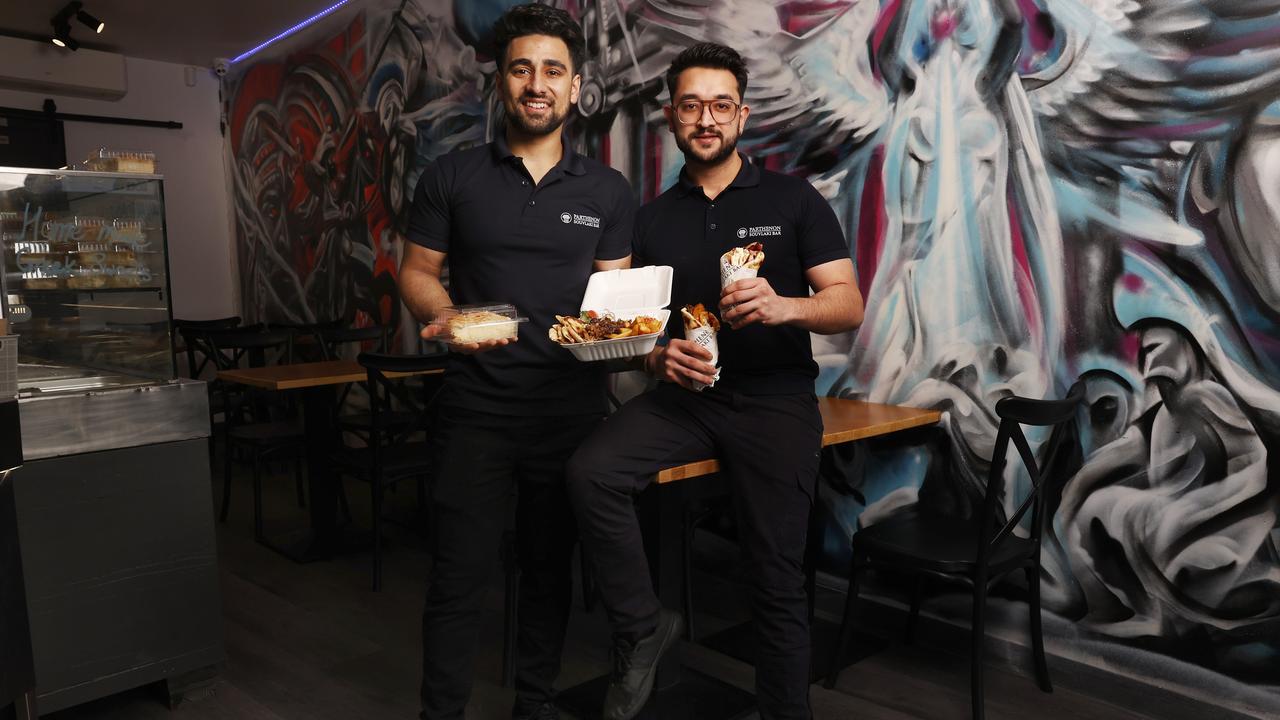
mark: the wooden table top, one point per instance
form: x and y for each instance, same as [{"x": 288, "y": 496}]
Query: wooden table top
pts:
[
  {"x": 305, "y": 375},
  {"x": 843, "y": 421}
]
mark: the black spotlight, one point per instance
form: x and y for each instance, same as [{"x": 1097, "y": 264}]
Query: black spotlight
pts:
[
  {"x": 90, "y": 21},
  {"x": 62, "y": 24},
  {"x": 62, "y": 37}
]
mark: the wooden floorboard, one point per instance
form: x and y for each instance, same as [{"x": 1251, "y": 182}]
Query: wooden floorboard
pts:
[{"x": 311, "y": 642}]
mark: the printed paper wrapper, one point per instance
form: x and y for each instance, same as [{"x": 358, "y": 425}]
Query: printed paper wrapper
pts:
[
  {"x": 730, "y": 273},
  {"x": 706, "y": 337}
]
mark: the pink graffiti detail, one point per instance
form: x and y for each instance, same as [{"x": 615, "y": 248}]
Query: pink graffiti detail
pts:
[
  {"x": 872, "y": 221},
  {"x": 1039, "y": 26},
  {"x": 944, "y": 24},
  {"x": 1133, "y": 283},
  {"x": 800, "y": 18},
  {"x": 1129, "y": 346},
  {"x": 882, "y": 28},
  {"x": 1022, "y": 269}
]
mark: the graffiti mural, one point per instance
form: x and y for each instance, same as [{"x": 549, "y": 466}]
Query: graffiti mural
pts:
[
  {"x": 325, "y": 145},
  {"x": 1036, "y": 192}
]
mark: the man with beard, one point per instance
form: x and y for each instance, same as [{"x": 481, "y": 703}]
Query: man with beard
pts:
[
  {"x": 760, "y": 418},
  {"x": 523, "y": 220}
]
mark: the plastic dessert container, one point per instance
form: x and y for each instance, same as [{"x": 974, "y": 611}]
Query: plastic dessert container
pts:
[{"x": 478, "y": 323}]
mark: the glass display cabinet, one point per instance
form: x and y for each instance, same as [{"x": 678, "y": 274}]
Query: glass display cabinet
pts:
[
  {"x": 115, "y": 473},
  {"x": 86, "y": 279}
]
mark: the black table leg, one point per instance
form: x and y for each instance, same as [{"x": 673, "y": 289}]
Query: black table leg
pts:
[
  {"x": 324, "y": 537},
  {"x": 679, "y": 692},
  {"x": 738, "y": 641}
]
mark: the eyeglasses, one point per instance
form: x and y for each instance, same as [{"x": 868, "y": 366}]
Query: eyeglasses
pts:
[{"x": 723, "y": 112}]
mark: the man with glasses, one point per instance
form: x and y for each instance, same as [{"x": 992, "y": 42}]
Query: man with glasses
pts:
[
  {"x": 760, "y": 418},
  {"x": 522, "y": 220}
]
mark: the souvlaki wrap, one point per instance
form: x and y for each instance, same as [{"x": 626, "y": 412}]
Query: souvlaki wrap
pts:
[
  {"x": 701, "y": 326},
  {"x": 740, "y": 263}
]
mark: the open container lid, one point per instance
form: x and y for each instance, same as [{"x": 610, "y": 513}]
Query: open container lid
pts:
[{"x": 625, "y": 291}]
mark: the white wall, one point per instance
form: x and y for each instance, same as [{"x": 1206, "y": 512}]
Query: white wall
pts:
[{"x": 197, "y": 209}]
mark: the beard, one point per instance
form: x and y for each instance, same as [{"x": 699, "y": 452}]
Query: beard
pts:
[
  {"x": 728, "y": 145},
  {"x": 537, "y": 127}
]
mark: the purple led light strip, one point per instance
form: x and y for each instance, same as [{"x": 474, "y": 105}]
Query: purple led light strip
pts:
[{"x": 291, "y": 30}]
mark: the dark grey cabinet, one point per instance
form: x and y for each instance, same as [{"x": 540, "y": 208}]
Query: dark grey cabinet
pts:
[{"x": 120, "y": 565}]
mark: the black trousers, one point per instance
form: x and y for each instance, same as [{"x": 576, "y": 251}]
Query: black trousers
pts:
[
  {"x": 768, "y": 448},
  {"x": 481, "y": 459}
]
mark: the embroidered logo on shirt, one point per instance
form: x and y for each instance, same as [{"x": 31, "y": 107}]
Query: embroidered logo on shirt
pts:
[
  {"x": 576, "y": 219},
  {"x": 760, "y": 231}
]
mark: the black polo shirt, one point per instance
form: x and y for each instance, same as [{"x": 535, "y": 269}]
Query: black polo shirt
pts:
[
  {"x": 510, "y": 241},
  {"x": 798, "y": 229}
]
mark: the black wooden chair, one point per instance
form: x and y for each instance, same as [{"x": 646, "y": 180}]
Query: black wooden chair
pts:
[
  {"x": 350, "y": 415},
  {"x": 200, "y": 358},
  {"x": 259, "y": 422},
  {"x": 333, "y": 339},
  {"x": 982, "y": 552},
  {"x": 193, "y": 345},
  {"x": 308, "y": 338},
  {"x": 392, "y": 454}
]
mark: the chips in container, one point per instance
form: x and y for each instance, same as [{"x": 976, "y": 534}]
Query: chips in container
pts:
[{"x": 625, "y": 295}]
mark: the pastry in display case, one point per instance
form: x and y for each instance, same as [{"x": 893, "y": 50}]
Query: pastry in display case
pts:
[
  {"x": 85, "y": 258},
  {"x": 121, "y": 161}
]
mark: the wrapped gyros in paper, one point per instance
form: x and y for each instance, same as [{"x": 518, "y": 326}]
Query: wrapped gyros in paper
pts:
[
  {"x": 741, "y": 263},
  {"x": 701, "y": 326}
]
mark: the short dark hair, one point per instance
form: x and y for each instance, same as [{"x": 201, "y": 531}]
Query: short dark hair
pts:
[
  {"x": 708, "y": 55},
  {"x": 535, "y": 19}
]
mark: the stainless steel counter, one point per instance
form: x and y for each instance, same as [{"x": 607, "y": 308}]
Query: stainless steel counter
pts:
[{"x": 67, "y": 411}]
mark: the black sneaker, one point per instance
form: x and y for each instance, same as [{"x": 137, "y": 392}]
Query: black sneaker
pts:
[
  {"x": 634, "y": 666},
  {"x": 545, "y": 711}
]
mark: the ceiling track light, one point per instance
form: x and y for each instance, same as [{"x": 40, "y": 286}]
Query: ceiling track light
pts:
[
  {"x": 62, "y": 24},
  {"x": 90, "y": 21},
  {"x": 62, "y": 37}
]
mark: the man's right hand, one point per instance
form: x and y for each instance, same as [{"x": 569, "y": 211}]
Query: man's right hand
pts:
[
  {"x": 681, "y": 362},
  {"x": 431, "y": 331}
]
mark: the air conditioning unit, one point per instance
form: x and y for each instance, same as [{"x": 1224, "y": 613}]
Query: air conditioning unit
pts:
[{"x": 42, "y": 67}]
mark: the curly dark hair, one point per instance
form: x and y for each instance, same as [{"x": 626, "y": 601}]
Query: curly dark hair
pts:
[
  {"x": 536, "y": 19},
  {"x": 708, "y": 55}
]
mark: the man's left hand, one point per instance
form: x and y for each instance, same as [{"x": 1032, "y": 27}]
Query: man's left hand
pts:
[{"x": 753, "y": 300}]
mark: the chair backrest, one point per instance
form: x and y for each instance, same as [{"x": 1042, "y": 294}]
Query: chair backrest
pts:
[
  {"x": 384, "y": 392},
  {"x": 226, "y": 322},
  {"x": 1014, "y": 412},
  {"x": 231, "y": 346},
  {"x": 331, "y": 339},
  {"x": 388, "y": 363},
  {"x": 193, "y": 343},
  {"x": 308, "y": 340}
]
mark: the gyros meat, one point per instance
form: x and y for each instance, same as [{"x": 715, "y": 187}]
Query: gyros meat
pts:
[
  {"x": 591, "y": 326},
  {"x": 751, "y": 256}
]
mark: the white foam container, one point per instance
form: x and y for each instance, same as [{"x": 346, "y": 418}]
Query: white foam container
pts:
[{"x": 626, "y": 294}]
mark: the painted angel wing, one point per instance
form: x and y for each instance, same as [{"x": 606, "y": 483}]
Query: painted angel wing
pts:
[{"x": 1138, "y": 81}]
